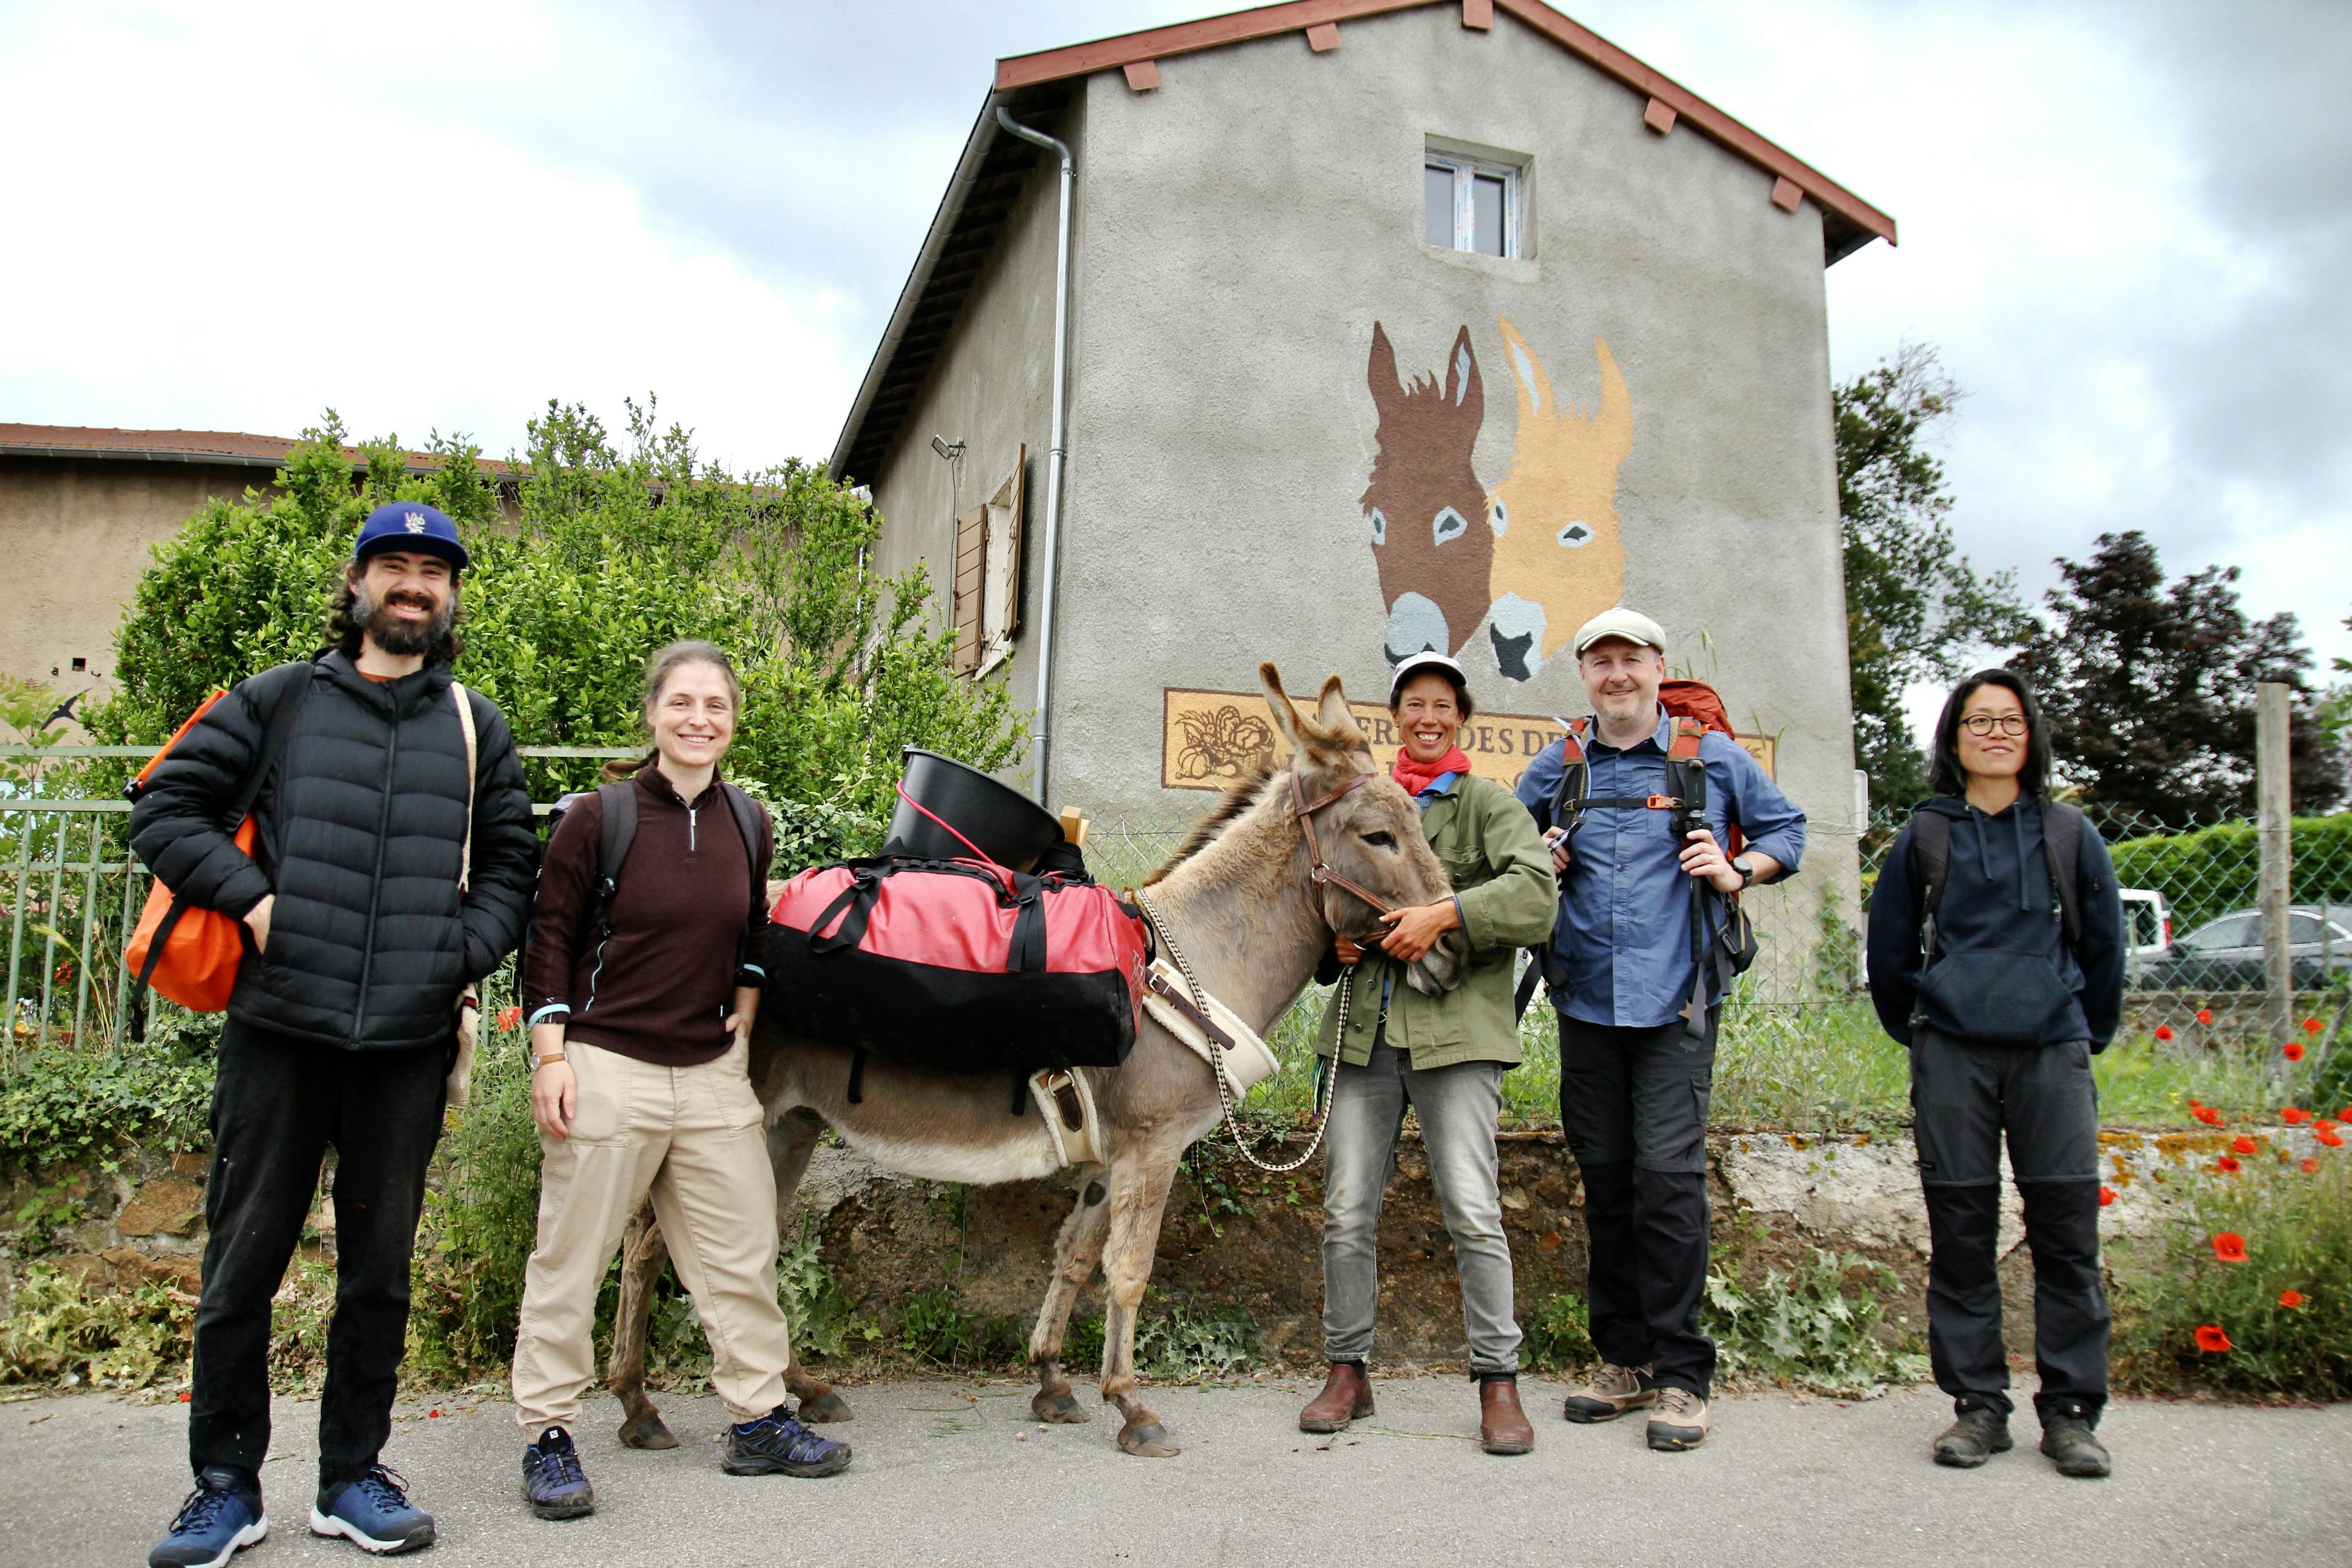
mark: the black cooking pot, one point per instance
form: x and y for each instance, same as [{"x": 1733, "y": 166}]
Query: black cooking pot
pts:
[{"x": 1002, "y": 823}]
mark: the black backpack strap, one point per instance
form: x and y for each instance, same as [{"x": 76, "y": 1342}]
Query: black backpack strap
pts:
[
  {"x": 2062, "y": 846},
  {"x": 1931, "y": 867},
  {"x": 1569, "y": 800},
  {"x": 616, "y": 827},
  {"x": 747, "y": 813}
]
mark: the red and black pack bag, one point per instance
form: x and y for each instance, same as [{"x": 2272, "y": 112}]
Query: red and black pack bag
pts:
[{"x": 960, "y": 964}]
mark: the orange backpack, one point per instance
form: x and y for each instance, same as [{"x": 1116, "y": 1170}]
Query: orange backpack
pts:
[{"x": 179, "y": 951}]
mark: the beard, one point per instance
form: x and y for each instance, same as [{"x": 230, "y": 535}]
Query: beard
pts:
[{"x": 391, "y": 633}]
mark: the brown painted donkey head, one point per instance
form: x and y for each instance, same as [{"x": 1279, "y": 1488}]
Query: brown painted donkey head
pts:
[{"x": 1425, "y": 505}]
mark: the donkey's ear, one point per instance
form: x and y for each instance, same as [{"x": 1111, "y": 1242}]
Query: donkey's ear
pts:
[
  {"x": 1337, "y": 720},
  {"x": 1380, "y": 374},
  {"x": 1463, "y": 391},
  {"x": 1285, "y": 717}
]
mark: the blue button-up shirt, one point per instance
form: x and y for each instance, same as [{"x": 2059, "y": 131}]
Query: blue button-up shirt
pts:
[{"x": 1621, "y": 944}]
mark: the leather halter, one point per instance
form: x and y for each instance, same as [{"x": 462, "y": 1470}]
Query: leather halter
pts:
[{"x": 1318, "y": 869}]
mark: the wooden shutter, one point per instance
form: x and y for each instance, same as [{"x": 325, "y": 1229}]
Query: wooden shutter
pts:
[
  {"x": 1001, "y": 594},
  {"x": 970, "y": 563}
]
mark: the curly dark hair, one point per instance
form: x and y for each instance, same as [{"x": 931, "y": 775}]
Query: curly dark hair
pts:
[
  {"x": 1944, "y": 775},
  {"x": 344, "y": 631}
]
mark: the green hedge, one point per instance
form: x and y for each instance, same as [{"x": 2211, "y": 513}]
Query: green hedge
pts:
[{"x": 2211, "y": 870}]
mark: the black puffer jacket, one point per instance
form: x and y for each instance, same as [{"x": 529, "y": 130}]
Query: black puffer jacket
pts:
[{"x": 360, "y": 833}]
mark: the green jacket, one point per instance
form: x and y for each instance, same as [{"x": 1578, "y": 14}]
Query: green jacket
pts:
[{"x": 1502, "y": 876}]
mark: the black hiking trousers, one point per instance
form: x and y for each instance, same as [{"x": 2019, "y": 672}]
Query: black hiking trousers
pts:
[
  {"x": 279, "y": 1104},
  {"x": 1634, "y": 1103},
  {"x": 1966, "y": 1096}
]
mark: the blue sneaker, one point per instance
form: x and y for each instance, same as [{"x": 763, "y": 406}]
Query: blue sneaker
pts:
[
  {"x": 776, "y": 1445},
  {"x": 552, "y": 1481},
  {"x": 373, "y": 1513},
  {"x": 221, "y": 1518}
]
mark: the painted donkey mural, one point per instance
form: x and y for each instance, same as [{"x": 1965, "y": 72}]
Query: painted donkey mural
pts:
[
  {"x": 1559, "y": 561},
  {"x": 1424, "y": 503},
  {"x": 1531, "y": 560}
]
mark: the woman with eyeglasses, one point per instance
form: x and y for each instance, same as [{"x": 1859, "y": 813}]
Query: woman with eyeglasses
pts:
[{"x": 1997, "y": 955}]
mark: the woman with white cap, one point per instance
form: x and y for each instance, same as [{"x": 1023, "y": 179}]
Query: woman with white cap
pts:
[{"x": 1442, "y": 1055}]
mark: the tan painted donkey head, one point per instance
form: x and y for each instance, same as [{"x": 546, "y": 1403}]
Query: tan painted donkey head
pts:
[{"x": 1559, "y": 560}]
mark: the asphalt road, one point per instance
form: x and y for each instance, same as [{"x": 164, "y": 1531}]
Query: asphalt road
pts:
[{"x": 950, "y": 1473}]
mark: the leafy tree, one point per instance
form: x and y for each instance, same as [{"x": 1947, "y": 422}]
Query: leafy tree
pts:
[
  {"x": 604, "y": 548},
  {"x": 1916, "y": 609},
  {"x": 2149, "y": 688}
]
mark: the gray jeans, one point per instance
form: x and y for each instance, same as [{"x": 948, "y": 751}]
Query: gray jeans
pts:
[{"x": 1458, "y": 1107}]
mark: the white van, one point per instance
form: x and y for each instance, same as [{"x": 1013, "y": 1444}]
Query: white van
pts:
[{"x": 2147, "y": 929}]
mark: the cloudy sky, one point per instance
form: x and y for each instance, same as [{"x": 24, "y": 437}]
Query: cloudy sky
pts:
[{"x": 2127, "y": 227}]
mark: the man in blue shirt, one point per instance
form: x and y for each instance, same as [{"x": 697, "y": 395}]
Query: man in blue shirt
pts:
[{"x": 1635, "y": 1069}]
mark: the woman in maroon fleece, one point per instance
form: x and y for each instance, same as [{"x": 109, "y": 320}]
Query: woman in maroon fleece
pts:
[{"x": 640, "y": 1032}]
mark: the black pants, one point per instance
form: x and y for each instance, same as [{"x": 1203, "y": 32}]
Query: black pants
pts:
[
  {"x": 1634, "y": 1103},
  {"x": 279, "y": 1105},
  {"x": 1966, "y": 1096}
]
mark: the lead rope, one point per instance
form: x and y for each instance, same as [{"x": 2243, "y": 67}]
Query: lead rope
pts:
[{"x": 1216, "y": 1057}]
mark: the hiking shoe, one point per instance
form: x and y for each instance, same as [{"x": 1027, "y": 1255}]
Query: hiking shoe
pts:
[
  {"x": 776, "y": 1445},
  {"x": 1610, "y": 1393},
  {"x": 552, "y": 1481},
  {"x": 372, "y": 1512},
  {"x": 1679, "y": 1422},
  {"x": 221, "y": 1518},
  {"x": 2066, "y": 1438},
  {"x": 1979, "y": 1434}
]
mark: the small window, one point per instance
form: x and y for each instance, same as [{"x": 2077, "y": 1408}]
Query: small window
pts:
[{"x": 1469, "y": 204}]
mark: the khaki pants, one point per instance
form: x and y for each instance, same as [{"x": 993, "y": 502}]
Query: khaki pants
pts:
[{"x": 693, "y": 1138}]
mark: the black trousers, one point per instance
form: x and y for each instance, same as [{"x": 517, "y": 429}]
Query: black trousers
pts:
[
  {"x": 1966, "y": 1096},
  {"x": 279, "y": 1105},
  {"x": 1634, "y": 1103}
]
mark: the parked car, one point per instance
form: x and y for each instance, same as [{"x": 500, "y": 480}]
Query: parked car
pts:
[
  {"x": 2148, "y": 929},
  {"x": 2225, "y": 953}
]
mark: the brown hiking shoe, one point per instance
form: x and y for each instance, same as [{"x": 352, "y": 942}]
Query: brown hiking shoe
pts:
[
  {"x": 1347, "y": 1395},
  {"x": 1679, "y": 1422},
  {"x": 1503, "y": 1426},
  {"x": 1609, "y": 1393}
]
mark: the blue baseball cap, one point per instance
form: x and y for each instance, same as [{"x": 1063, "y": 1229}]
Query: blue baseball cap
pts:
[{"x": 411, "y": 525}]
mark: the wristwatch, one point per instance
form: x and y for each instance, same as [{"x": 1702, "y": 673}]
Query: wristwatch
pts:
[{"x": 1747, "y": 869}]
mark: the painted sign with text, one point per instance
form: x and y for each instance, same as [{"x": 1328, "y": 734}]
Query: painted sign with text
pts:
[{"x": 1209, "y": 739}]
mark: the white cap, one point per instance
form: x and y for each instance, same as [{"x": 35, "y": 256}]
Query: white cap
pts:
[
  {"x": 1419, "y": 663},
  {"x": 1632, "y": 624}
]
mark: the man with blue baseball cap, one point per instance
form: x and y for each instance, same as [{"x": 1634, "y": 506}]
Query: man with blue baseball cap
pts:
[{"x": 392, "y": 869}]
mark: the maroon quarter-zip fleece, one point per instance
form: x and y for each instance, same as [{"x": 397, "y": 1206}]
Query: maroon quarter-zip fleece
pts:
[{"x": 660, "y": 986}]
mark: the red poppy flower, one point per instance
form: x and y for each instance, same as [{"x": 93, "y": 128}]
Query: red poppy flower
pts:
[
  {"x": 2329, "y": 1136},
  {"x": 2291, "y": 1050},
  {"x": 2164, "y": 1031},
  {"x": 2204, "y": 1015},
  {"x": 2243, "y": 1144},
  {"x": 2325, "y": 1124},
  {"x": 2311, "y": 1165},
  {"x": 183, "y": 1397},
  {"x": 2211, "y": 1339},
  {"x": 2311, "y": 1026},
  {"x": 2196, "y": 1105},
  {"x": 2290, "y": 1298},
  {"x": 2226, "y": 1165},
  {"x": 2345, "y": 1114},
  {"x": 509, "y": 1017},
  {"x": 2107, "y": 1196},
  {"x": 2208, "y": 1115},
  {"x": 2230, "y": 1247},
  {"x": 2294, "y": 1116}
]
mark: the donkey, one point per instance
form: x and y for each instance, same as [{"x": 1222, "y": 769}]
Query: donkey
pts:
[
  {"x": 1424, "y": 503},
  {"x": 1241, "y": 901},
  {"x": 1559, "y": 561}
]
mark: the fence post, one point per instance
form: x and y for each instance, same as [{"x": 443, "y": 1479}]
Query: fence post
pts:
[{"x": 2272, "y": 798}]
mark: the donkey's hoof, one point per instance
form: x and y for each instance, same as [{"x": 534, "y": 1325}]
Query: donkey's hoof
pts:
[
  {"x": 829, "y": 1406},
  {"x": 1146, "y": 1440},
  {"x": 647, "y": 1431},
  {"x": 1062, "y": 1409}
]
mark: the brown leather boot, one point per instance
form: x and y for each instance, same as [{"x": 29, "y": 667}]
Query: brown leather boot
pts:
[
  {"x": 1347, "y": 1395},
  {"x": 1503, "y": 1426}
]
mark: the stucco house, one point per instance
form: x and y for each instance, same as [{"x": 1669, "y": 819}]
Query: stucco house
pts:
[{"x": 1384, "y": 325}]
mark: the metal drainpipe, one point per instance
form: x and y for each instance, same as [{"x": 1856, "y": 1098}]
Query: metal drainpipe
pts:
[{"x": 1054, "y": 466}]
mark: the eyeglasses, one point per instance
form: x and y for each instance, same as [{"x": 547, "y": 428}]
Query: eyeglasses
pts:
[{"x": 1986, "y": 723}]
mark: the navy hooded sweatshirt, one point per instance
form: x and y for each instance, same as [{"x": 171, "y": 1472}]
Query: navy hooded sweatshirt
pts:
[{"x": 2003, "y": 973}]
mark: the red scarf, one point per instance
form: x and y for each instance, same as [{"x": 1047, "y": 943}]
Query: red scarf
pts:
[{"x": 1418, "y": 776}]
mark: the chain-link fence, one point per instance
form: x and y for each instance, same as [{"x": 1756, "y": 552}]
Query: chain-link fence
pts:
[{"x": 1800, "y": 1045}]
